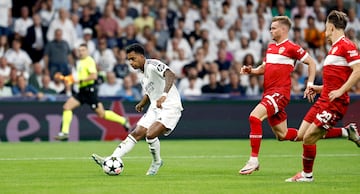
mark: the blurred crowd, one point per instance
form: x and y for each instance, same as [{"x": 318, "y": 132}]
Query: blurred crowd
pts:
[{"x": 204, "y": 42}]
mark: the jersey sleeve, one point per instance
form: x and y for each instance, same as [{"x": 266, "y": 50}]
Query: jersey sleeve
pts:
[
  {"x": 159, "y": 68},
  {"x": 351, "y": 54},
  {"x": 299, "y": 53},
  {"x": 91, "y": 66}
]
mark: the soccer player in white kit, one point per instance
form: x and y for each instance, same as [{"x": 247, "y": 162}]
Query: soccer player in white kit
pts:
[{"x": 163, "y": 113}]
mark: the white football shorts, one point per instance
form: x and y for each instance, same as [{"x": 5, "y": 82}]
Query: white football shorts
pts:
[{"x": 169, "y": 117}]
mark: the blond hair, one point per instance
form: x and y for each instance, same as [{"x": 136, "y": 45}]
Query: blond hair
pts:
[{"x": 282, "y": 20}]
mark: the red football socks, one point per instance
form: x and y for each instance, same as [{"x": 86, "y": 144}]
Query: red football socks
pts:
[
  {"x": 309, "y": 153},
  {"x": 255, "y": 135}
]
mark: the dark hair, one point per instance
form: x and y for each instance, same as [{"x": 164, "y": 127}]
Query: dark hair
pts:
[
  {"x": 83, "y": 45},
  {"x": 338, "y": 18},
  {"x": 137, "y": 48}
]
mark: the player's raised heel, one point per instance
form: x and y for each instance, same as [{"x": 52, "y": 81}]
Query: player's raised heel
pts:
[
  {"x": 154, "y": 167},
  {"x": 353, "y": 134},
  {"x": 98, "y": 159},
  {"x": 249, "y": 168},
  {"x": 300, "y": 177},
  {"x": 61, "y": 136}
]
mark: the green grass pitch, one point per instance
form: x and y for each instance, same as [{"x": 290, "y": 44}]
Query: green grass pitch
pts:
[{"x": 190, "y": 166}]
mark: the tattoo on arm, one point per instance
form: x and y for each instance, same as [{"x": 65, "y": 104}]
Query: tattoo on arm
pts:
[{"x": 169, "y": 80}]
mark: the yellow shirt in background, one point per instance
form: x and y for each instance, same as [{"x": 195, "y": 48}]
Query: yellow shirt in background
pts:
[{"x": 84, "y": 68}]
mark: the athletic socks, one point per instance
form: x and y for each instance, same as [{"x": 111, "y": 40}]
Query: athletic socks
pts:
[
  {"x": 309, "y": 153},
  {"x": 66, "y": 121},
  {"x": 154, "y": 147},
  {"x": 335, "y": 132},
  {"x": 255, "y": 135},
  {"x": 124, "y": 147},
  {"x": 291, "y": 134},
  {"x": 112, "y": 116}
]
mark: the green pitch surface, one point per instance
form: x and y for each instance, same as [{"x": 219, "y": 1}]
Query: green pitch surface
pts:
[{"x": 190, "y": 166}]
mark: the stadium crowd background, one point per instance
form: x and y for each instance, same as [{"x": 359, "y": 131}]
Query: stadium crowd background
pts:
[{"x": 205, "y": 42}]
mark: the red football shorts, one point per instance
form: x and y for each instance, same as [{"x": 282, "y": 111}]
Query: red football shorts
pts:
[
  {"x": 326, "y": 114},
  {"x": 275, "y": 106}
]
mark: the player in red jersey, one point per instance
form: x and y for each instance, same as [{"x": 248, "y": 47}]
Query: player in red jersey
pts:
[
  {"x": 276, "y": 68},
  {"x": 341, "y": 71}
]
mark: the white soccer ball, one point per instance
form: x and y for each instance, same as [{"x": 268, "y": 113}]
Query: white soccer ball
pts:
[{"x": 113, "y": 165}]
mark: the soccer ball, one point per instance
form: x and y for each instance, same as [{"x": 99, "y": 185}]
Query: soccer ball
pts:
[{"x": 113, "y": 165}]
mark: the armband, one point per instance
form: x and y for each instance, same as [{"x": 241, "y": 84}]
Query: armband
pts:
[
  {"x": 309, "y": 84},
  {"x": 164, "y": 94}
]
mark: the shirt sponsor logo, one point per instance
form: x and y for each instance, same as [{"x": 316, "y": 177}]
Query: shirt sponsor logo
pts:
[
  {"x": 334, "y": 50},
  {"x": 281, "y": 49},
  {"x": 353, "y": 53}
]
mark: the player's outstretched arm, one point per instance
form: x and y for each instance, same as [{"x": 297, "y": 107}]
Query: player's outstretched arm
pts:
[
  {"x": 353, "y": 78},
  {"x": 253, "y": 71}
]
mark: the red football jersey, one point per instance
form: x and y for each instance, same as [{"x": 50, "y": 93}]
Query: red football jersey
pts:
[
  {"x": 279, "y": 63},
  {"x": 336, "y": 71}
]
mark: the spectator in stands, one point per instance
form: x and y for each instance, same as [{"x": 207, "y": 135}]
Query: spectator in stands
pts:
[
  {"x": 108, "y": 26},
  {"x": 280, "y": 9},
  {"x": 351, "y": 34},
  {"x": 5, "y": 69},
  {"x": 88, "y": 21},
  {"x": 253, "y": 89},
  {"x": 104, "y": 58},
  {"x": 245, "y": 49},
  {"x": 35, "y": 39},
  {"x": 121, "y": 68},
  {"x": 182, "y": 43},
  {"x": 45, "y": 86},
  {"x": 57, "y": 55},
  {"x": 296, "y": 87},
  {"x": 213, "y": 86},
  {"x": 58, "y": 85},
  {"x": 123, "y": 19},
  {"x": 353, "y": 22},
  {"x": 222, "y": 61},
  {"x": 5, "y": 16},
  {"x": 161, "y": 35},
  {"x": 263, "y": 30},
  {"x": 5, "y": 91},
  {"x": 223, "y": 46},
  {"x": 35, "y": 78},
  {"x": 61, "y": 4},
  {"x": 232, "y": 42},
  {"x": 313, "y": 37},
  {"x": 23, "y": 23},
  {"x": 192, "y": 90},
  {"x": 22, "y": 88},
  {"x": 87, "y": 39},
  {"x": 46, "y": 12},
  {"x": 227, "y": 15},
  {"x": 110, "y": 86},
  {"x": 12, "y": 78},
  {"x": 234, "y": 88},
  {"x": 184, "y": 85},
  {"x": 177, "y": 65},
  {"x": 167, "y": 16},
  {"x": 199, "y": 63},
  {"x": 209, "y": 52},
  {"x": 145, "y": 36},
  {"x": 129, "y": 38},
  {"x": 144, "y": 20},
  {"x": 18, "y": 58},
  {"x": 77, "y": 26},
  {"x": 219, "y": 32},
  {"x": 128, "y": 92},
  {"x": 64, "y": 23},
  {"x": 4, "y": 45},
  {"x": 205, "y": 20},
  {"x": 75, "y": 8}
]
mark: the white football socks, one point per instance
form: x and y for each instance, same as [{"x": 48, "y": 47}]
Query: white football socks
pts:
[
  {"x": 124, "y": 147},
  {"x": 154, "y": 147}
]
